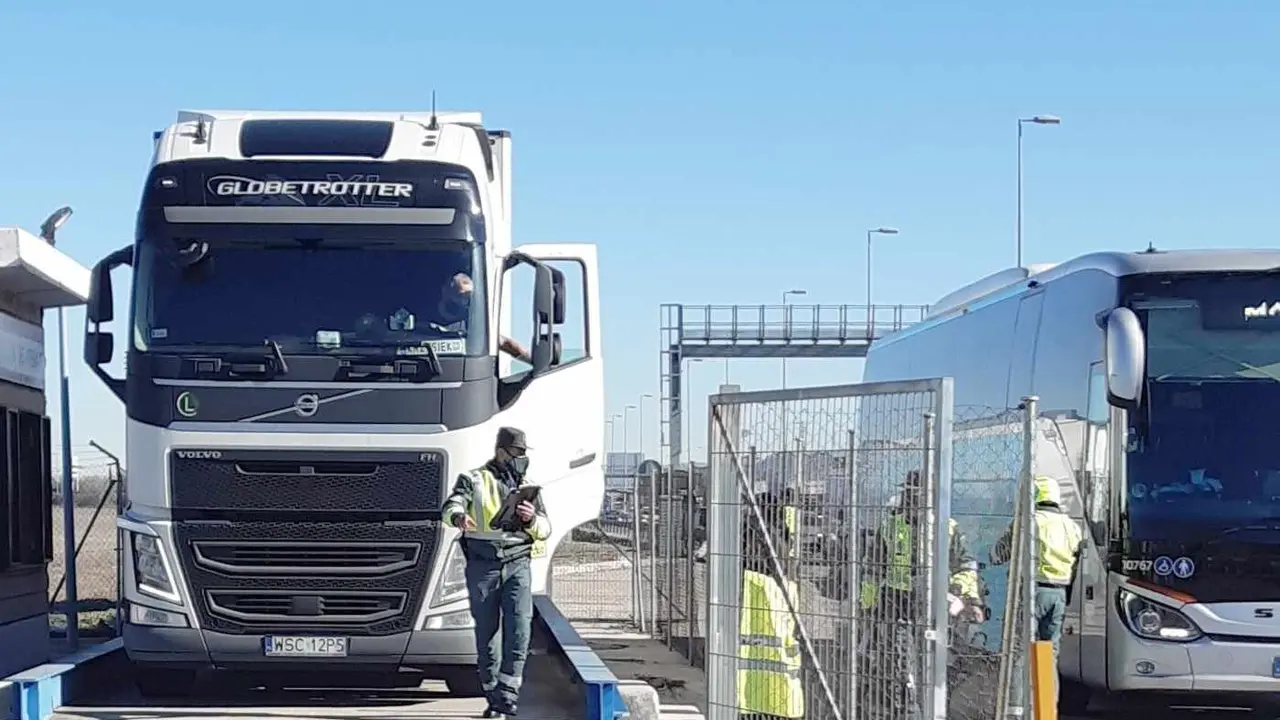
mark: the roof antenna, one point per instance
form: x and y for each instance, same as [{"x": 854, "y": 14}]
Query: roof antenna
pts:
[
  {"x": 200, "y": 136},
  {"x": 434, "y": 124},
  {"x": 1151, "y": 247}
]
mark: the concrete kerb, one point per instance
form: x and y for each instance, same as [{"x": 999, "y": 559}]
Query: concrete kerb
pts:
[
  {"x": 603, "y": 697},
  {"x": 36, "y": 693}
]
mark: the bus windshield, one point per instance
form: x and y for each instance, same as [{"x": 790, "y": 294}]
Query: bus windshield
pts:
[{"x": 1203, "y": 459}]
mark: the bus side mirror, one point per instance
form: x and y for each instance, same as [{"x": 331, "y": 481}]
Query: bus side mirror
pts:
[{"x": 1126, "y": 358}]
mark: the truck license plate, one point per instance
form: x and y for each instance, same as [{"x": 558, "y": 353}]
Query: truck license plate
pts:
[
  {"x": 1275, "y": 667},
  {"x": 306, "y": 646}
]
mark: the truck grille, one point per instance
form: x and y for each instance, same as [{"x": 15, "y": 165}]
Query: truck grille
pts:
[
  {"x": 253, "y": 577},
  {"x": 311, "y": 481},
  {"x": 282, "y": 607},
  {"x": 318, "y": 559}
]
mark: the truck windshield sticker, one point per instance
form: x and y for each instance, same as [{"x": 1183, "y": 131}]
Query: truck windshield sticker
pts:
[
  {"x": 329, "y": 338},
  {"x": 442, "y": 347}
]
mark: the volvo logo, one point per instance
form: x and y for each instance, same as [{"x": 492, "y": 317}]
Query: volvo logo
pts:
[
  {"x": 199, "y": 454},
  {"x": 306, "y": 405}
]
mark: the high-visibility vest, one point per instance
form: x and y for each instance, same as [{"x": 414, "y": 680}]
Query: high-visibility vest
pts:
[
  {"x": 487, "y": 494},
  {"x": 1058, "y": 537},
  {"x": 791, "y": 518},
  {"x": 768, "y": 652},
  {"x": 901, "y": 562}
]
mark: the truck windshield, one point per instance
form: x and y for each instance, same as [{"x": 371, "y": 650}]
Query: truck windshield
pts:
[
  {"x": 311, "y": 296},
  {"x": 1203, "y": 460}
]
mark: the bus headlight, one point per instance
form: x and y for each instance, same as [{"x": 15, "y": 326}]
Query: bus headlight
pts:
[
  {"x": 1153, "y": 621},
  {"x": 453, "y": 581},
  {"x": 151, "y": 569}
]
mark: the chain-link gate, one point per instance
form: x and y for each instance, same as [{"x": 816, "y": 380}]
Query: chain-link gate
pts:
[
  {"x": 993, "y": 452},
  {"x": 828, "y": 517},
  {"x": 595, "y": 573}
]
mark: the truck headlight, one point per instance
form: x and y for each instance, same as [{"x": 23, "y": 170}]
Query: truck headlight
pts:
[
  {"x": 151, "y": 569},
  {"x": 453, "y": 581},
  {"x": 1153, "y": 621}
]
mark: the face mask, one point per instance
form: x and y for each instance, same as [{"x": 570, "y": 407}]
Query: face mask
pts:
[{"x": 518, "y": 465}]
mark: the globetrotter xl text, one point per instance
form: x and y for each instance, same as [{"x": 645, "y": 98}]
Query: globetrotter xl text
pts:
[{"x": 232, "y": 186}]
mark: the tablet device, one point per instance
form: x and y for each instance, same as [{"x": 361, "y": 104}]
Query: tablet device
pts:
[{"x": 506, "y": 517}]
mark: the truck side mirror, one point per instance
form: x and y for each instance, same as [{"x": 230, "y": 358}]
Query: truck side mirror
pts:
[
  {"x": 558, "y": 296},
  {"x": 543, "y": 319},
  {"x": 1126, "y": 358},
  {"x": 100, "y": 307},
  {"x": 99, "y": 348},
  {"x": 99, "y": 344}
]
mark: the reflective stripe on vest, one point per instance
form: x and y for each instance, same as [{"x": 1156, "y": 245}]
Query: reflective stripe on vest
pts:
[
  {"x": 1057, "y": 538},
  {"x": 768, "y": 652}
]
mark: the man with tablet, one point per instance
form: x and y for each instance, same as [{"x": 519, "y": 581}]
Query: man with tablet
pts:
[{"x": 502, "y": 520}]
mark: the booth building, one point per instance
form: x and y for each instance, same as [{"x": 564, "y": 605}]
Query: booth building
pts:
[{"x": 34, "y": 277}]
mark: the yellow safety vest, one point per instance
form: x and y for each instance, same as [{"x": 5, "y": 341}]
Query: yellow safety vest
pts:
[
  {"x": 791, "y": 518},
  {"x": 487, "y": 494},
  {"x": 1057, "y": 538},
  {"x": 901, "y": 563},
  {"x": 768, "y": 652}
]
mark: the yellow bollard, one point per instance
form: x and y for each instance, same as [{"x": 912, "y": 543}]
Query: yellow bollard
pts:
[{"x": 1044, "y": 681}]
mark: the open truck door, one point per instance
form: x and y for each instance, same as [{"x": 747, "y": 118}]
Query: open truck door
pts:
[{"x": 557, "y": 397}]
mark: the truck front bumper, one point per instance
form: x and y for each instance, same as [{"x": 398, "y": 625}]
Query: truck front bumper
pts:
[{"x": 201, "y": 649}]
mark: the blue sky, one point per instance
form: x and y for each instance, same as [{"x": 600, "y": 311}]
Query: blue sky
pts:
[{"x": 717, "y": 151}]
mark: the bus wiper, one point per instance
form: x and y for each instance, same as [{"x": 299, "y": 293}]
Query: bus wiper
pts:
[{"x": 1267, "y": 523}]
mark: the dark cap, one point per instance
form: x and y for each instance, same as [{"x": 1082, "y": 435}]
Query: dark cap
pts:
[{"x": 509, "y": 437}]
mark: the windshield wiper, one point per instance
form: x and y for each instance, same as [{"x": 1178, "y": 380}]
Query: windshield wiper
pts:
[
  {"x": 279, "y": 355},
  {"x": 1266, "y": 523},
  {"x": 392, "y": 365}
]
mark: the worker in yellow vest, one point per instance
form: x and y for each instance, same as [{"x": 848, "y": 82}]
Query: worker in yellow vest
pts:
[
  {"x": 791, "y": 520},
  {"x": 1059, "y": 542},
  {"x": 892, "y": 565},
  {"x": 499, "y": 579},
  {"x": 769, "y": 659}
]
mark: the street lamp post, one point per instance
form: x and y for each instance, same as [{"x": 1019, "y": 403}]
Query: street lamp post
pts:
[
  {"x": 49, "y": 233},
  {"x": 871, "y": 313},
  {"x": 785, "y": 294},
  {"x": 1034, "y": 120}
]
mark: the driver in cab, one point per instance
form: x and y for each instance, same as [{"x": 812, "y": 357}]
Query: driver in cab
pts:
[{"x": 455, "y": 307}]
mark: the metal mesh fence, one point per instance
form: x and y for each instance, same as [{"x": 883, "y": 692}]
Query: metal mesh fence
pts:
[
  {"x": 594, "y": 574},
  {"x": 988, "y": 649},
  {"x": 828, "y": 577},
  {"x": 96, "y": 479}
]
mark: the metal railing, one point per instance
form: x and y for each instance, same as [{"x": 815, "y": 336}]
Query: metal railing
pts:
[{"x": 793, "y": 323}]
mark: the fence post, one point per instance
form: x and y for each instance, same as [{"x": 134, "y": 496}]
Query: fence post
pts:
[
  {"x": 854, "y": 569},
  {"x": 637, "y": 606},
  {"x": 724, "y": 567},
  {"x": 653, "y": 551},
  {"x": 938, "y": 429},
  {"x": 1031, "y": 407}
]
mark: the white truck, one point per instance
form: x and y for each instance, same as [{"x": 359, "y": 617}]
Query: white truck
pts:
[{"x": 303, "y": 381}]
